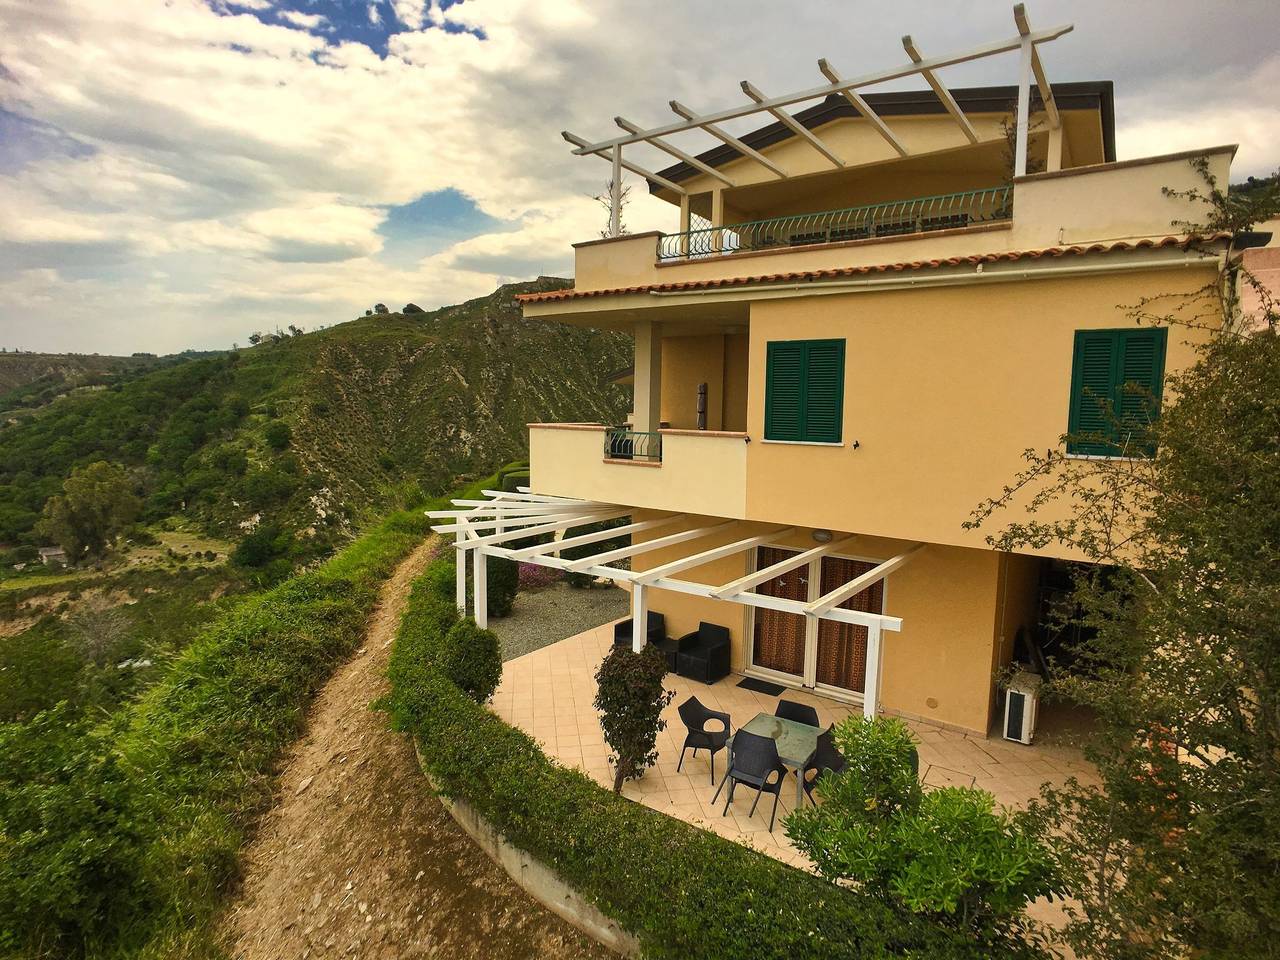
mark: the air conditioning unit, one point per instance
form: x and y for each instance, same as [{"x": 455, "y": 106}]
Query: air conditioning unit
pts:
[{"x": 1021, "y": 704}]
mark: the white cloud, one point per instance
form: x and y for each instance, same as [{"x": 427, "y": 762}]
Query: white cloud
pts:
[
  {"x": 307, "y": 21},
  {"x": 239, "y": 169}
]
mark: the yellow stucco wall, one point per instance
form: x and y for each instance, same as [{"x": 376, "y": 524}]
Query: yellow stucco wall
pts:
[
  {"x": 737, "y": 368},
  {"x": 687, "y": 362},
  {"x": 944, "y": 389}
]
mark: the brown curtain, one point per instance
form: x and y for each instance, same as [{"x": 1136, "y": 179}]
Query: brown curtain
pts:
[
  {"x": 842, "y": 647},
  {"x": 779, "y": 637}
]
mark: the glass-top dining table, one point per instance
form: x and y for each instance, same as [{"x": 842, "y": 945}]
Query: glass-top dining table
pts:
[{"x": 797, "y": 743}]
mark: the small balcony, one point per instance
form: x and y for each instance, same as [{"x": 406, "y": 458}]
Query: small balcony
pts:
[{"x": 893, "y": 218}]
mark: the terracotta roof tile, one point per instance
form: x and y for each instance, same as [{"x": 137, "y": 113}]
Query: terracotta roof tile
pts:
[{"x": 831, "y": 273}]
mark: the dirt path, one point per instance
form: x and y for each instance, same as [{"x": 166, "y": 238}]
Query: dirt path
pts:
[{"x": 359, "y": 860}]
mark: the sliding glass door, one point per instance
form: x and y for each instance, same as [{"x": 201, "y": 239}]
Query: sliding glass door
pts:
[{"x": 827, "y": 654}]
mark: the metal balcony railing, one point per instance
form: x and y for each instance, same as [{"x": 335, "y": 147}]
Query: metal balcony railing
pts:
[
  {"x": 623, "y": 444},
  {"x": 891, "y": 218}
]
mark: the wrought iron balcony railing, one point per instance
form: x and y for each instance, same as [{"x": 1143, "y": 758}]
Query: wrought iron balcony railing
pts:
[
  {"x": 623, "y": 444},
  {"x": 888, "y": 219}
]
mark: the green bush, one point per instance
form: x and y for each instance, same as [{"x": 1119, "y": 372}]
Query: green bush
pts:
[
  {"x": 471, "y": 659},
  {"x": 277, "y": 434},
  {"x": 630, "y": 697},
  {"x": 503, "y": 579},
  {"x": 683, "y": 892},
  {"x": 947, "y": 853}
]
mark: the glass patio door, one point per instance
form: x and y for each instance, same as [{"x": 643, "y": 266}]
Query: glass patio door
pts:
[
  {"x": 778, "y": 641},
  {"x": 842, "y": 647}
]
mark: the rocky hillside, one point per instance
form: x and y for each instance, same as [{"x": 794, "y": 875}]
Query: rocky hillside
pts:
[{"x": 311, "y": 435}]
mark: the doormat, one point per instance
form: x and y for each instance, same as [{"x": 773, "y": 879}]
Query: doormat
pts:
[{"x": 761, "y": 686}]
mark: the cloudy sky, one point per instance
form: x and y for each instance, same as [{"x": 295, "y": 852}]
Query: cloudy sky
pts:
[{"x": 179, "y": 173}]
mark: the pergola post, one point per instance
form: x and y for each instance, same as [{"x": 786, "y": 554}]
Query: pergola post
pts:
[
  {"x": 647, "y": 388},
  {"x": 871, "y": 682},
  {"x": 480, "y": 587},
  {"x": 1054, "y": 160},
  {"x": 1024, "y": 109},
  {"x": 615, "y": 193},
  {"x": 639, "y": 616}
]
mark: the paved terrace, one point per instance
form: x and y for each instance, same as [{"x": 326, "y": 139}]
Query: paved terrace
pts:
[{"x": 549, "y": 694}]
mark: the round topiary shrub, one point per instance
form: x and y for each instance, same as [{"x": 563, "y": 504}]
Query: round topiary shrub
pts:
[{"x": 471, "y": 658}]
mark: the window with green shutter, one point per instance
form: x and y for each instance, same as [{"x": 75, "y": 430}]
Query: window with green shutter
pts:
[
  {"x": 804, "y": 390},
  {"x": 1116, "y": 381}
]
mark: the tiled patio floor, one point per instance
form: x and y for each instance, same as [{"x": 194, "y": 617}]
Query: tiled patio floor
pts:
[{"x": 549, "y": 694}]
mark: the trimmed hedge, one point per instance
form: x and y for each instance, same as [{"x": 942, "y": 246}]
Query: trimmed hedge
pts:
[
  {"x": 682, "y": 891},
  {"x": 120, "y": 839}
]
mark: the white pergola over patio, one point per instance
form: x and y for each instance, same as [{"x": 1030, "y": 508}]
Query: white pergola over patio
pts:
[
  {"x": 1026, "y": 43},
  {"x": 490, "y": 527}
]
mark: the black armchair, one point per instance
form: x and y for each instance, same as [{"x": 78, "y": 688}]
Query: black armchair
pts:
[
  {"x": 704, "y": 654},
  {"x": 825, "y": 758},
  {"x": 695, "y": 717},
  {"x": 799, "y": 712},
  {"x": 754, "y": 761},
  {"x": 657, "y": 632}
]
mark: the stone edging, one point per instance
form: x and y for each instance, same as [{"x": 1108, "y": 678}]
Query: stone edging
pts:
[{"x": 535, "y": 877}]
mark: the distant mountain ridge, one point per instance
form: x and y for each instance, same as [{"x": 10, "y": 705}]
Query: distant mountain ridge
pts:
[{"x": 319, "y": 432}]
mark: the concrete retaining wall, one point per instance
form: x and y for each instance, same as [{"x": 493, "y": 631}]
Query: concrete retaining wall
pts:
[{"x": 537, "y": 879}]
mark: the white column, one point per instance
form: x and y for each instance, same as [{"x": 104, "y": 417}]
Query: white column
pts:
[
  {"x": 1024, "y": 107},
  {"x": 639, "y": 616},
  {"x": 480, "y": 587},
  {"x": 871, "y": 683},
  {"x": 460, "y": 577},
  {"x": 648, "y": 377},
  {"x": 615, "y": 193}
]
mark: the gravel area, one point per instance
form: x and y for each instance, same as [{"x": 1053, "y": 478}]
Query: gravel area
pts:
[{"x": 546, "y": 616}]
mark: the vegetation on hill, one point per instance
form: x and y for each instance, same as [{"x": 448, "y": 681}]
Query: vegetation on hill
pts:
[
  {"x": 29, "y": 380},
  {"x": 303, "y": 439}
]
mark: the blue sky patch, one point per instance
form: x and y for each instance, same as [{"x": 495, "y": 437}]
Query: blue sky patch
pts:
[{"x": 432, "y": 223}]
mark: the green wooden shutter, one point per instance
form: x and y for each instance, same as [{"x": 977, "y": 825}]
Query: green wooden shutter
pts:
[
  {"x": 824, "y": 396},
  {"x": 784, "y": 390},
  {"x": 1138, "y": 389},
  {"x": 804, "y": 390},
  {"x": 1104, "y": 362}
]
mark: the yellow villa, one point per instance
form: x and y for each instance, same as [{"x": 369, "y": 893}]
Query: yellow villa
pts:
[{"x": 868, "y": 308}]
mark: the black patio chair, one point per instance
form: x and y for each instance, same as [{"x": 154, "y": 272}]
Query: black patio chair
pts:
[
  {"x": 799, "y": 712},
  {"x": 754, "y": 761},
  {"x": 825, "y": 758},
  {"x": 657, "y": 632},
  {"x": 695, "y": 718},
  {"x": 704, "y": 654}
]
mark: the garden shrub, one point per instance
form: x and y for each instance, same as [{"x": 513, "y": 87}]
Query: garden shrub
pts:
[
  {"x": 471, "y": 659},
  {"x": 630, "y": 697},
  {"x": 944, "y": 853},
  {"x": 683, "y": 892},
  {"x": 502, "y": 577}
]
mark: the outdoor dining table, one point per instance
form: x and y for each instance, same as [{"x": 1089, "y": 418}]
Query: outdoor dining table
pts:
[{"x": 797, "y": 743}]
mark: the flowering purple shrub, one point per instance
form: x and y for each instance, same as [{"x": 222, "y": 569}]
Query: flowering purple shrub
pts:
[{"x": 535, "y": 577}]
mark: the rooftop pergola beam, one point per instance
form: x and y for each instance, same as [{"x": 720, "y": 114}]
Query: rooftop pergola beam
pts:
[
  {"x": 676, "y": 152},
  {"x": 1037, "y": 68},
  {"x": 940, "y": 88},
  {"x": 583, "y": 148},
  {"x": 681, "y": 110},
  {"x": 791, "y": 123},
  {"x": 863, "y": 108},
  {"x": 465, "y": 524},
  {"x": 840, "y": 594},
  {"x": 731, "y": 590},
  {"x": 645, "y": 546},
  {"x": 707, "y": 556},
  {"x": 607, "y": 153}
]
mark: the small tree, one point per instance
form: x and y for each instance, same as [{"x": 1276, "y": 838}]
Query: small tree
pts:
[
  {"x": 630, "y": 697},
  {"x": 947, "y": 853},
  {"x": 96, "y": 504}
]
